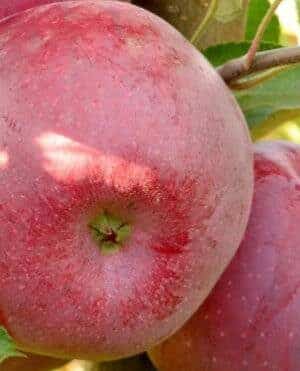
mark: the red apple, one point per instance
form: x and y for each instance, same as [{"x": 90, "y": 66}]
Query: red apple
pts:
[
  {"x": 125, "y": 179},
  {"x": 251, "y": 319},
  {"x": 31, "y": 363}
]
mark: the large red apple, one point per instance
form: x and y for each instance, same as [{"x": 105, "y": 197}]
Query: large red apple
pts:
[
  {"x": 251, "y": 319},
  {"x": 125, "y": 179}
]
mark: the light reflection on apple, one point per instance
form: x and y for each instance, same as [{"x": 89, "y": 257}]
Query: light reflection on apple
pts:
[
  {"x": 69, "y": 161},
  {"x": 4, "y": 159}
]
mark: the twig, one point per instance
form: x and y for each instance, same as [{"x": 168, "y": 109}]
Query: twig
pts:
[
  {"x": 213, "y": 6},
  {"x": 236, "y": 68},
  {"x": 260, "y": 33}
]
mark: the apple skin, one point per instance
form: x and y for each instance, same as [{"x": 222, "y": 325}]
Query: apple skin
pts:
[
  {"x": 104, "y": 107},
  {"x": 251, "y": 319},
  {"x": 31, "y": 363},
  {"x": 9, "y": 7}
]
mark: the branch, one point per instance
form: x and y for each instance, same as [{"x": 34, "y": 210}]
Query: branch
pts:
[
  {"x": 260, "y": 33},
  {"x": 237, "y": 68},
  {"x": 213, "y": 6}
]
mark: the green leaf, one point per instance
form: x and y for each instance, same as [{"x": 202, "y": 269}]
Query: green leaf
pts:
[
  {"x": 7, "y": 346},
  {"x": 298, "y": 8},
  {"x": 228, "y": 10},
  {"x": 186, "y": 15},
  {"x": 274, "y": 98},
  {"x": 219, "y": 54},
  {"x": 256, "y": 11}
]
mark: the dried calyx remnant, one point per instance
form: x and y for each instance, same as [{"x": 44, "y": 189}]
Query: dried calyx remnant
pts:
[{"x": 109, "y": 231}]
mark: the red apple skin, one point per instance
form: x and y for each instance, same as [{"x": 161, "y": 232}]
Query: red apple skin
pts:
[
  {"x": 9, "y": 7},
  {"x": 31, "y": 363},
  {"x": 251, "y": 319},
  {"x": 105, "y": 107}
]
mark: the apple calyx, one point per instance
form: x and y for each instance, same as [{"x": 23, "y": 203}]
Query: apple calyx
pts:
[{"x": 109, "y": 231}]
